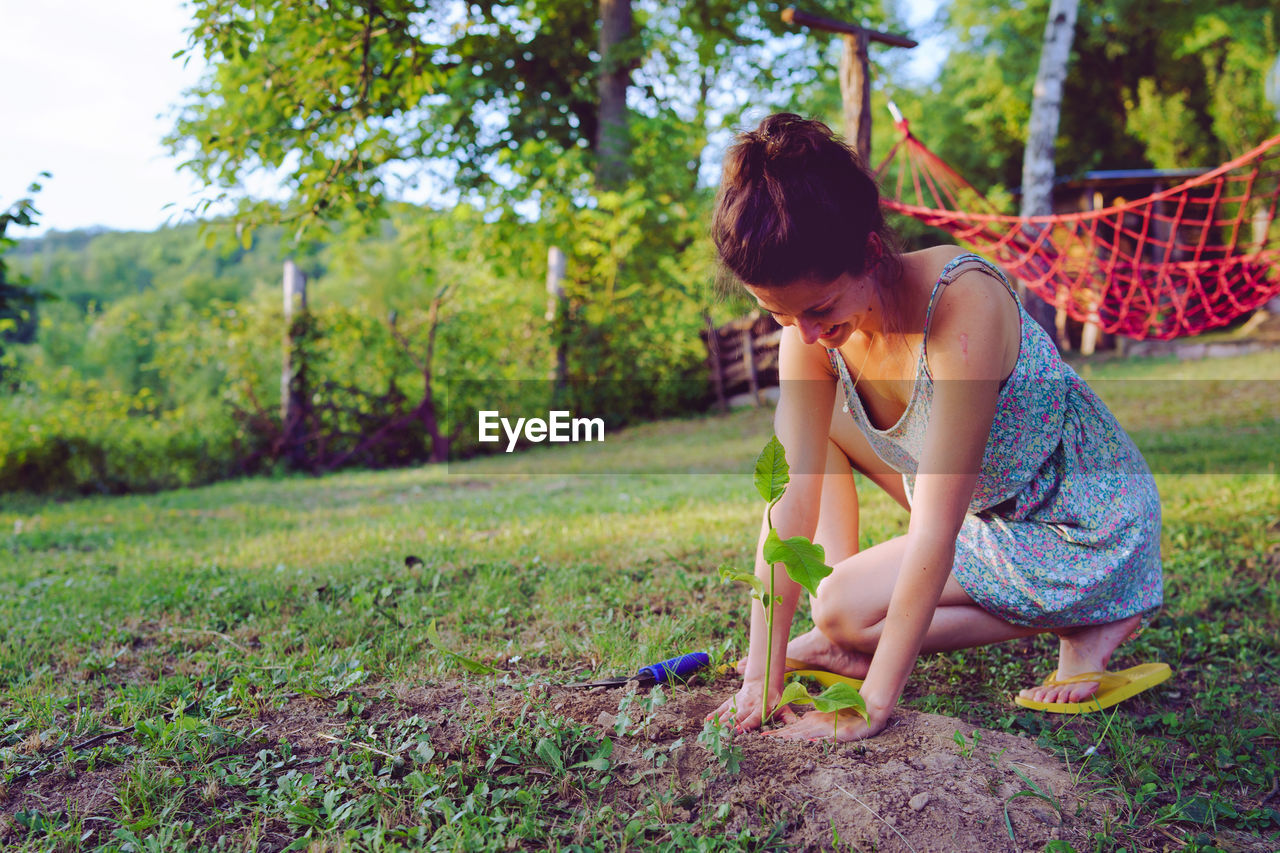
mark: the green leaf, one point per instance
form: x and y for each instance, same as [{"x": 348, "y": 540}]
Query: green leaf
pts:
[
  {"x": 840, "y": 696},
  {"x": 772, "y": 473},
  {"x": 804, "y": 560},
  {"x": 473, "y": 666},
  {"x": 729, "y": 573},
  {"x": 550, "y": 753},
  {"x": 184, "y": 723},
  {"x": 795, "y": 692},
  {"x": 600, "y": 760}
]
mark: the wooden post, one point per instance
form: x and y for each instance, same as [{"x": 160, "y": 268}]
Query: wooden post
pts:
[
  {"x": 557, "y": 316},
  {"x": 293, "y": 376},
  {"x": 855, "y": 72},
  {"x": 855, "y": 94},
  {"x": 1261, "y": 224}
]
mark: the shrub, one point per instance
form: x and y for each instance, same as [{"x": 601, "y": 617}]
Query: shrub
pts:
[{"x": 100, "y": 442}]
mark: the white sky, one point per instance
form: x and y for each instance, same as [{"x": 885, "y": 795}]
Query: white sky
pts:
[
  {"x": 87, "y": 93},
  {"x": 86, "y": 86}
]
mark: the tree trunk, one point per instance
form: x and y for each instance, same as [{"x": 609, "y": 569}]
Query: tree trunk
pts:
[
  {"x": 855, "y": 95},
  {"x": 1042, "y": 129},
  {"x": 613, "y": 141}
]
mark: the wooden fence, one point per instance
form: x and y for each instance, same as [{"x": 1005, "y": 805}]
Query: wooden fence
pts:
[{"x": 742, "y": 357}]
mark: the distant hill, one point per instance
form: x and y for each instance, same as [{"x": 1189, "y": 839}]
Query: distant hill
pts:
[{"x": 100, "y": 266}]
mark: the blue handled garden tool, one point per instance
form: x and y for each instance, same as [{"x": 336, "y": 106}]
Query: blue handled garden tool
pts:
[{"x": 677, "y": 668}]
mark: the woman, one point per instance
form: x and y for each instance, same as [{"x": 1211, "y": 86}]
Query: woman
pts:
[{"x": 1031, "y": 510}]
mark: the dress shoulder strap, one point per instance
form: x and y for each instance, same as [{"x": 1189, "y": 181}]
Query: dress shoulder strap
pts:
[{"x": 957, "y": 265}]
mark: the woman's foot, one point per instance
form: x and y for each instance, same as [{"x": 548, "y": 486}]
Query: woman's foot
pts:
[
  {"x": 1082, "y": 650},
  {"x": 816, "y": 651}
]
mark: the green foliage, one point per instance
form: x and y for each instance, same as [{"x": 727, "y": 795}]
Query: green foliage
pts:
[
  {"x": 17, "y": 303},
  {"x": 1186, "y": 93},
  {"x": 834, "y": 699},
  {"x": 185, "y": 263},
  {"x": 82, "y": 438},
  {"x": 804, "y": 560},
  {"x": 772, "y": 472},
  {"x": 718, "y": 739}
]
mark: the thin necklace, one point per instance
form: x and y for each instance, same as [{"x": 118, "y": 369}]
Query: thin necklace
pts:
[{"x": 853, "y": 389}]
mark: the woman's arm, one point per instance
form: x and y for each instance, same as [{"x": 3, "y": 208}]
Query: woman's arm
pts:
[{"x": 973, "y": 345}]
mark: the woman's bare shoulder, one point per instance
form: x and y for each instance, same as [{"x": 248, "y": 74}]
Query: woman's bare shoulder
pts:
[
  {"x": 928, "y": 264},
  {"x": 976, "y": 326},
  {"x": 798, "y": 360}
]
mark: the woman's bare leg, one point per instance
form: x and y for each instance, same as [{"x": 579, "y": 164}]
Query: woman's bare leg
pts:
[
  {"x": 852, "y": 603},
  {"x": 838, "y": 529}
]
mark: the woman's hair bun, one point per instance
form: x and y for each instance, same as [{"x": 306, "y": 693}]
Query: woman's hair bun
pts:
[
  {"x": 782, "y": 138},
  {"x": 796, "y": 202}
]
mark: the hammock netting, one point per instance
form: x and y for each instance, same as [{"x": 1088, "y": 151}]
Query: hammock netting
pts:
[{"x": 1196, "y": 256}]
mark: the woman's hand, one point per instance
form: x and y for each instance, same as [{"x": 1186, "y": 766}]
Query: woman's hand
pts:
[
  {"x": 742, "y": 711},
  {"x": 816, "y": 725}
]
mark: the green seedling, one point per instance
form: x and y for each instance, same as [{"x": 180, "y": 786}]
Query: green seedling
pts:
[
  {"x": 805, "y": 563},
  {"x": 717, "y": 739},
  {"x": 834, "y": 699},
  {"x": 966, "y": 748}
]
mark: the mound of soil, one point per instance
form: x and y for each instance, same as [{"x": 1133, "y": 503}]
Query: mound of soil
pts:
[{"x": 912, "y": 788}]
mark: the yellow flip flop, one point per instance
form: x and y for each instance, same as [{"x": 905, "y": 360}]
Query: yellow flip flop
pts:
[
  {"x": 826, "y": 679},
  {"x": 799, "y": 669},
  {"x": 1113, "y": 688},
  {"x": 729, "y": 668}
]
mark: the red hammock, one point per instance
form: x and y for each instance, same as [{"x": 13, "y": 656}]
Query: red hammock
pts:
[{"x": 1178, "y": 262}]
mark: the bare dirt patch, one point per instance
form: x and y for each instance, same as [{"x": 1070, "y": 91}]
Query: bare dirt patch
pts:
[{"x": 913, "y": 788}]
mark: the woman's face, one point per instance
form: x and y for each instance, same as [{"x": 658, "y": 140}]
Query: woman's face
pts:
[{"x": 826, "y": 313}]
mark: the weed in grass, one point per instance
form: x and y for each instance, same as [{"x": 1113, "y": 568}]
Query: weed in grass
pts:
[
  {"x": 718, "y": 739},
  {"x": 1032, "y": 790},
  {"x": 966, "y": 746},
  {"x": 624, "y": 725}
]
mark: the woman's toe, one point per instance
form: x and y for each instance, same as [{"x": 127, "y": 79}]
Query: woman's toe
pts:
[{"x": 1083, "y": 691}]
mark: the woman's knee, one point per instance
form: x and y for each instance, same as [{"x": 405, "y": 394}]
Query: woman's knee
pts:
[{"x": 843, "y": 624}]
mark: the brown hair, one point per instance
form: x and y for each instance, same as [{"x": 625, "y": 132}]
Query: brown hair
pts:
[{"x": 796, "y": 202}]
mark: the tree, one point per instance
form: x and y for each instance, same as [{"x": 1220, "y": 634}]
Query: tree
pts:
[
  {"x": 336, "y": 96},
  {"x": 1046, "y": 106},
  {"x": 616, "y": 63},
  {"x": 16, "y": 300},
  {"x": 1042, "y": 130},
  {"x": 1185, "y": 92}
]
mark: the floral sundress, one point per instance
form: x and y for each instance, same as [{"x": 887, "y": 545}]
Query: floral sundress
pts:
[{"x": 1064, "y": 525}]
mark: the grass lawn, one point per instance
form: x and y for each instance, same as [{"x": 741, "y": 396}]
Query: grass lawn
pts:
[{"x": 248, "y": 665}]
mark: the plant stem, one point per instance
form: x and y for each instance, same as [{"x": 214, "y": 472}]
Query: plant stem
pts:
[{"x": 768, "y": 627}]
